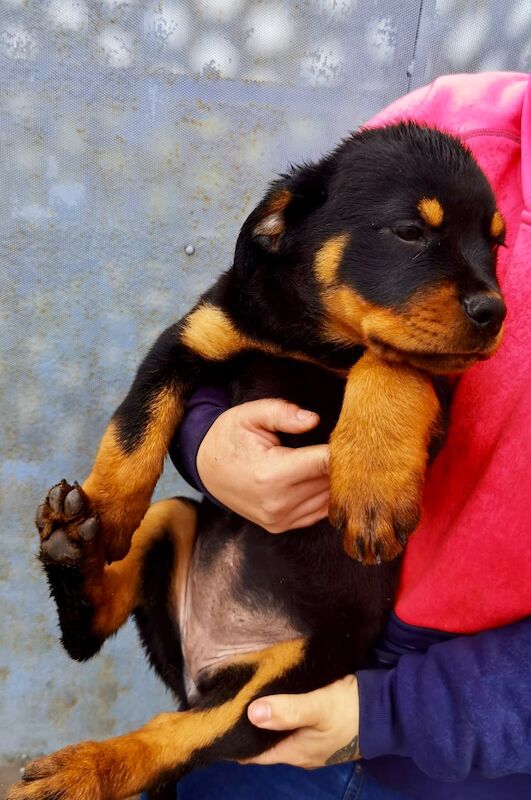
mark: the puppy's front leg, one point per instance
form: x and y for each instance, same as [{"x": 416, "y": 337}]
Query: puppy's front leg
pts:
[
  {"x": 131, "y": 454},
  {"x": 379, "y": 454}
]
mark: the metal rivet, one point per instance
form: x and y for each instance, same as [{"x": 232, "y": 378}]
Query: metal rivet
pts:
[{"x": 189, "y": 249}]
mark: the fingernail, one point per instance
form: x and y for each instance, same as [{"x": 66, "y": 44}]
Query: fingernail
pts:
[
  {"x": 303, "y": 414},
  {"x": 259, "y": 712}
]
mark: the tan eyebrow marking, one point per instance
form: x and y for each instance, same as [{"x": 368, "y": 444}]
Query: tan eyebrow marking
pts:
[
  {"x": 431, "y": 211},
  {"x": 497, "y": 225}
]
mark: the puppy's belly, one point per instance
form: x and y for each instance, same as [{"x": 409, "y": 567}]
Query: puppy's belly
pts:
[{"x": 218, "y": 619}]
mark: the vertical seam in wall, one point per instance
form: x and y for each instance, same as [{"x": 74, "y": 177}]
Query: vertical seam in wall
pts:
[{"x": 413, "y": 56}]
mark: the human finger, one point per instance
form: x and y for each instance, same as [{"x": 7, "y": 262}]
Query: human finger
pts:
[
  {"x": 287, "y": 712},
  {"x": 301, "y": 464},
  {"x": 277, "y": 415}
]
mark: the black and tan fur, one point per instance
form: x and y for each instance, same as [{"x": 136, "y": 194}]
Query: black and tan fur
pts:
[{"x": 358, "y": 284}]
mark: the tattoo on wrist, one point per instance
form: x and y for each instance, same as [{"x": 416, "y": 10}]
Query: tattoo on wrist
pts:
[{"x": 348, "y": 753}]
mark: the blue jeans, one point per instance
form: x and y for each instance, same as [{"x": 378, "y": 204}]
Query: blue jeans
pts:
[{"x": 228, "y": 781}]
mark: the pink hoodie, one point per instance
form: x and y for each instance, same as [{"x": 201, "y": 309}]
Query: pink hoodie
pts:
[{"x": 467, "y": 567}]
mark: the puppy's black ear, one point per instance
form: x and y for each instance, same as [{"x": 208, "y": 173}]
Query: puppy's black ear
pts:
[{"x": 287, "y": 203}]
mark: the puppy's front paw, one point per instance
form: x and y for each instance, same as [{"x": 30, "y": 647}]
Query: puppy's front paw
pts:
[
  {"x": 375, "y": 514},
  {"x": 66, "y": 525}
]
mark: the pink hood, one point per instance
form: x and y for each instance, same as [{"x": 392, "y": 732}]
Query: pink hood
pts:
[{"x": 468, "y": 566}]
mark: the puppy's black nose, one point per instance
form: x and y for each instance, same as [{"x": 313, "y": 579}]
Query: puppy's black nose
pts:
[{"x": 486, "y": 311}]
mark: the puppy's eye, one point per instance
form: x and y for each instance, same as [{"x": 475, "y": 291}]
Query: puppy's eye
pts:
[{"x": 409, "y": 233}]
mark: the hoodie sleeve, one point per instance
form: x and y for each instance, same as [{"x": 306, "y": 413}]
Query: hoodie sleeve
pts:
[
  {"x": 463, "y": 706},
  {"x": 202, "y": 410}
]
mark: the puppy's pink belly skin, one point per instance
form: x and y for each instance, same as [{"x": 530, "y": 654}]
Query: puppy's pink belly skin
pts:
[{"x": 218, "y": 622}]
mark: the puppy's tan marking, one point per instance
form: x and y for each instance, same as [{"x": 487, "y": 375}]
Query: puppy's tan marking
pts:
[
  {"x": 210, "y": 333},
  {"x": 328, "y": 259},
  {"x": 497, "y": 225},
  {"x": 431, "y": 211}
]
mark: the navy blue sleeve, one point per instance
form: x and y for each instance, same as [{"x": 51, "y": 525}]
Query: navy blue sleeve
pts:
[
  {"x": 203, "y": 408},
  {"x": 464, "y": 705}
]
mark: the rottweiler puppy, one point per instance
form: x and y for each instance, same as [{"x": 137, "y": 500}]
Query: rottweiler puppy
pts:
[{"x": 359, "y": 284}]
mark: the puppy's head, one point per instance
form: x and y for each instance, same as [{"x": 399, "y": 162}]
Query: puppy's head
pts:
[{"x": 392, "y": 240}]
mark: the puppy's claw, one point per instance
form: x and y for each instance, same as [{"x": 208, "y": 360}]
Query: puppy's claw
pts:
[
  {"x": 360, "y": 546},
  {"x": 402, "y": 537}
]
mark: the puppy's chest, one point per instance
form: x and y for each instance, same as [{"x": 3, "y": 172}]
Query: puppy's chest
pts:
[{"x": 218, "y": 619}]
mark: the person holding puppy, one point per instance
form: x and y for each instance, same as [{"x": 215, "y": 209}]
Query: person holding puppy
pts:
[{"x": 446, "y": 712}]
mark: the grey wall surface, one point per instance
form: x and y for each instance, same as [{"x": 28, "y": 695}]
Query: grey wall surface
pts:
[{"x": 129, "y": 130}]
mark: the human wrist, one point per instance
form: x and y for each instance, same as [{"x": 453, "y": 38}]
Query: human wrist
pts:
[
  {"x": 348, "y": 707},
  {"x": 205, "y": 406}
]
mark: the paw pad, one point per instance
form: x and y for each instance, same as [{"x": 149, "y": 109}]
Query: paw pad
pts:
[
  {"x": 66, "y": 523},
  {"x": 58, "y": 547},
  {"x": 88, "y": 529}
]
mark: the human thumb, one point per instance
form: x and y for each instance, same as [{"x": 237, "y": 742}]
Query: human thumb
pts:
[
  {"x": 279, "y": 415},
  {"x": 285, "y": 712}
]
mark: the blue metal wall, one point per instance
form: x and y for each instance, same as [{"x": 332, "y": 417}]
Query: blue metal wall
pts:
[{"x": 129, "y": 130}]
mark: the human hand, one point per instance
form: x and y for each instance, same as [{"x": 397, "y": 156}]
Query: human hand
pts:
[
  {"x": 325, "y": 724},
  {"x": 242, "y": 464}
]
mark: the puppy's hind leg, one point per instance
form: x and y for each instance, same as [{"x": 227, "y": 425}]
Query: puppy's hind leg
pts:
[{"x": 172, "y": 744}]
